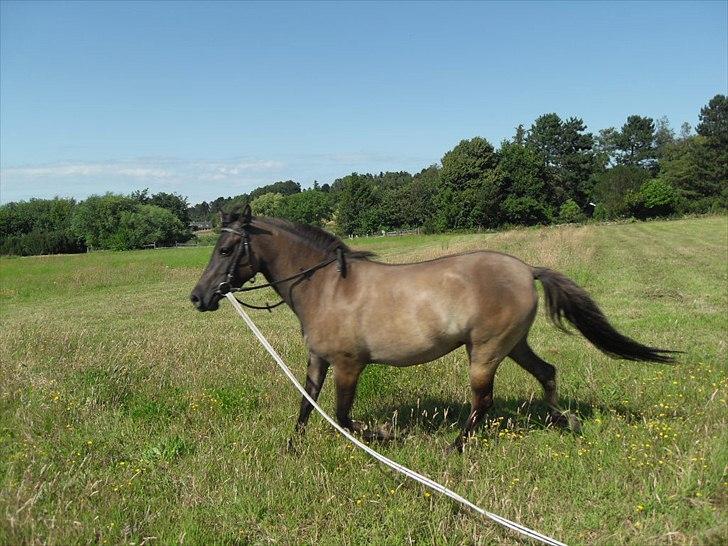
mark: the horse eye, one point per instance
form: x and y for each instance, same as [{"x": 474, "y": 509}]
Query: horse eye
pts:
[{"x": 225, "y": 251}]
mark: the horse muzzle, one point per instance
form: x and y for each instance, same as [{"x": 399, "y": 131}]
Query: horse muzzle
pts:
[{"x": 205, "y": 304}]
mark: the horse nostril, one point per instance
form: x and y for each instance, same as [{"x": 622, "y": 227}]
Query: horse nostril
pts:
[{"x": 195, "y": 300}]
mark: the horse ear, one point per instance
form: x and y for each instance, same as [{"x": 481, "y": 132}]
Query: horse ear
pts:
[
  {"x": 247, "y": 214},
  {"x": 227, "y": 218}
]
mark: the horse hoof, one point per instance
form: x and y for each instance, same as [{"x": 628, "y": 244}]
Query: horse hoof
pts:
[
  {"x": 380, "y": 434},
  {"x": 291, "y": 448},
  {"x": 567, "y": 421},
  {"x": 456, "y": 448},
  {"x": 574, "y": 424}
]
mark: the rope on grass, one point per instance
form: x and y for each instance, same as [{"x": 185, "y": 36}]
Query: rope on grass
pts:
[{"x": 424, "y": 480}]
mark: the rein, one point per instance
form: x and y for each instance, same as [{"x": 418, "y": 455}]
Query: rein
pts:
[{"x": 243, "y": 247}]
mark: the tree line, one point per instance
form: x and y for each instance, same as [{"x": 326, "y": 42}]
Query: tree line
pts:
[
  {"x": 553, "y": 171},
  {"x": 110, "y": 221}
]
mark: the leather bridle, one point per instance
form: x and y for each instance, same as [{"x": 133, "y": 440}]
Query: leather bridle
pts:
[{"x": 242, "y": 250}]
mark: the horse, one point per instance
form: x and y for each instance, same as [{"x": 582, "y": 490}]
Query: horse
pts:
[{"x": 354, "y": 310}]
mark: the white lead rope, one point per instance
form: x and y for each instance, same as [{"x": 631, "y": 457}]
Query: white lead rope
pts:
[{"x": 424, "y": 480}]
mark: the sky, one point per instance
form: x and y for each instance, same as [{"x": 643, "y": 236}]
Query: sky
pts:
[{"x": 214, "y": 99}]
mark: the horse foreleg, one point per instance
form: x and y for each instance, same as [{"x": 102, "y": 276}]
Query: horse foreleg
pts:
[
  {"x": 315, "y": 376},
  {"x": 346, "y": 376}
]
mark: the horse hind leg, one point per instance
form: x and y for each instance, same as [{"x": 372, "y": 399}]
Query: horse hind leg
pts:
[{"x": 524, "y": 356}]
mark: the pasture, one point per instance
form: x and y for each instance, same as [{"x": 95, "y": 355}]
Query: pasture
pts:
[{"x": 126, "y": 417}]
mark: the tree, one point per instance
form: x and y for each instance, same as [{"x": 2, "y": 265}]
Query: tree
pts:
[
  {"x": 358, "y": 210},
  {"x": 419, "y": 201},
  {"x": 612, "y": 187},
  {"x": 605, "y": 147},
  {"x": 96, "y": 220},
  {"x": 36, "y": 215},
  {"x": 467, "y": 163},
  {"x": 692, "y": 167},
  {"x": 465, "y": 170},
  {"x": 520, "y": 136},
  {"x": 141, "y": 195},
  {"x": 567, "y": 151},
  {"x": 38, "y": 226},
  {"x": 714, "y": 121},
  {"x": 148, "y": 224},
  {"x": 267, "y": 204},
  {"x": 713, "y": 127},
  {"x": 174, "y": 203},
  {"x": 120, "y": 222},
  {"x": 664, "y": 136},
  {"x": 686, "y": 130},
  {"x": 520, "y": 191},
  {"x": 308, "y": 207},
  {"x": 635, "y": 143},
  {"x": 287, "y": 187}
]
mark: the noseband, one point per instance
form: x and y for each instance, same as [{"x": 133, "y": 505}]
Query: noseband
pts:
[{"x": 243, "y": 250}]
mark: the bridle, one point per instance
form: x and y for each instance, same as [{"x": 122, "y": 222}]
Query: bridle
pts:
[{"x": 242, "y": 250}]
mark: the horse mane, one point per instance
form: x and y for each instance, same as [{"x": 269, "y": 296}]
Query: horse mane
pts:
[{"x": 316, "y": 237}]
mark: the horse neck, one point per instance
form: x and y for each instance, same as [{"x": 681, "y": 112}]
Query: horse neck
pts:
[{"x": 282, "y": 255}]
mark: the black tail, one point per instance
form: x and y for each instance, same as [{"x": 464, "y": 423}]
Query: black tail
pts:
[{"x": 566, "y": 300}]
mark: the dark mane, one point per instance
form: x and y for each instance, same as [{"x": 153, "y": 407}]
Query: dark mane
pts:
[{"x": 316, "y": 237}]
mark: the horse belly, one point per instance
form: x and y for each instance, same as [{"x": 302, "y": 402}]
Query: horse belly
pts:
[
  {"x": 414, "y": 341},
  {"x": 403, "y": 355}
]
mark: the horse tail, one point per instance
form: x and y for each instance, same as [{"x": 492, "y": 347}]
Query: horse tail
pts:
[{"x": 567, "y": 300}]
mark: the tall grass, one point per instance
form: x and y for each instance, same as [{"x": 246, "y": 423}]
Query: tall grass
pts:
[{"x": 127, "y": 417}]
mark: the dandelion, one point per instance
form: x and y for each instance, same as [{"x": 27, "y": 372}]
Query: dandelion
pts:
[
  {"x": 427, "y": 494},
  {"x": 639, "y": 508}
]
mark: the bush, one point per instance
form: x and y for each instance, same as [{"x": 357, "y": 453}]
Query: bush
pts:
[
  {"x": 40, "y": 242},
  {"x": 308, "y": 207},
  {"x": 612, "y": 187},
  {"x": 38, "y": 226},
  {"x": 118, "y": 222},
  {"x": 525, "y": 211},
  {"x": 655, "y": 198},
  {"x": 570, "y": 213},
  {"x": 147, "y": 225},
  {"x": 268, "y": 204}
]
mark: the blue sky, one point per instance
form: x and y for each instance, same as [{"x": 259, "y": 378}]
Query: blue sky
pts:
[{"x": 218, "y": 98}]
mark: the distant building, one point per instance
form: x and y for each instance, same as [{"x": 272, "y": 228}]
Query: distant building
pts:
[{"x": 200, "y": 225}]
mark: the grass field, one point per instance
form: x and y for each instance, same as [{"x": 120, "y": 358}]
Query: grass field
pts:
[{"x": 126, "y": 417}]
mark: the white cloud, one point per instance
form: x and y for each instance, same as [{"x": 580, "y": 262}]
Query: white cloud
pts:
[
  {"x": 84, "y": 169},
  {"x": 197, "y": 179}
]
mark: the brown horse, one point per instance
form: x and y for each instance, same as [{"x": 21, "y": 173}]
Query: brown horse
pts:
[{"x": 354, "y": 310}]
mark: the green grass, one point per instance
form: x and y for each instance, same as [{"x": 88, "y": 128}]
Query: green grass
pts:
[{"x": 128, "y": 417}]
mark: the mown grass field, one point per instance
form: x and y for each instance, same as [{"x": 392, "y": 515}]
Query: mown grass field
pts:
[{"x": 126, "y": 417}]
